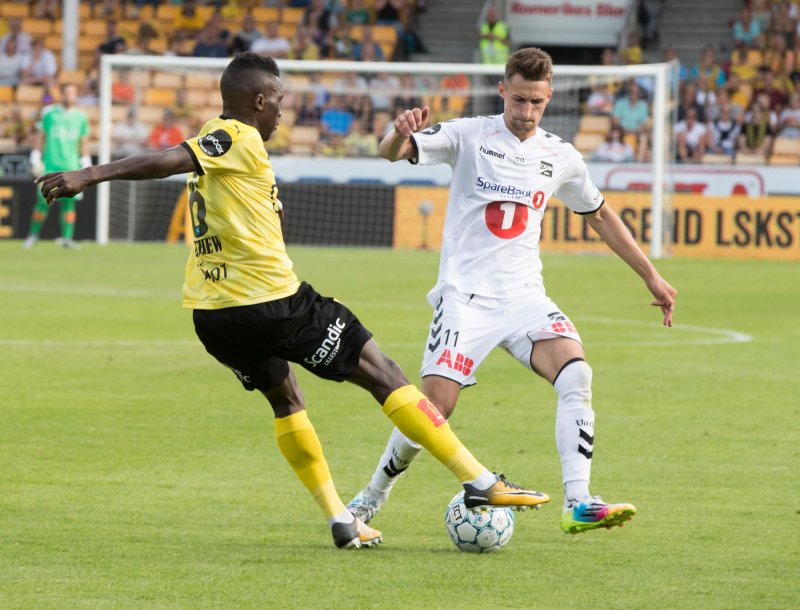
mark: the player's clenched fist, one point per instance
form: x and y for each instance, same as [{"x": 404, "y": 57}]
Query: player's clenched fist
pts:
[
  {"x": 412, "y": 121},
  {"x": 62, "y": 184}
]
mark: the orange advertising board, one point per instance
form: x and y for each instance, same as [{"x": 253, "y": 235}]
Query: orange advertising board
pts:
[{"x": 704, "y": 227}]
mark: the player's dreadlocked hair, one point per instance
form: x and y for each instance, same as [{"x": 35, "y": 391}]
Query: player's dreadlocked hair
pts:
[
  {"x": 531, "y": 63},
  {"x": 241, "y": 75}
]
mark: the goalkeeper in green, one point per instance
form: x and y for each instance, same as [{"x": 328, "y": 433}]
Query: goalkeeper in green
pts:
[{"x": 62, "y": 144}]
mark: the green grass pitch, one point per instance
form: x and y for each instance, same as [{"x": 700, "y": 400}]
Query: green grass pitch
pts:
[{"x": 136, "y": 473}]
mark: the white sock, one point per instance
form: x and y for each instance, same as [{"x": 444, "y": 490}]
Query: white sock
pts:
[
  {"x": 575, "y": 428},
  {"x": 485, "y": 480},
  {"x": 343, "y": 517},
  {"x": 399, "y": 453}
]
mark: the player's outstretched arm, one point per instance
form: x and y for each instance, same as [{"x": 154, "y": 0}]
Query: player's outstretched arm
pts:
[
  {"x": 609, "y": 226},
  {"x": 397, "y": 144},
  {"x": 176, "y": 160}
]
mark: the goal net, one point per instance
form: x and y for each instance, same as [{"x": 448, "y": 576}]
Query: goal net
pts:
[{"x": 335, "y": 189}]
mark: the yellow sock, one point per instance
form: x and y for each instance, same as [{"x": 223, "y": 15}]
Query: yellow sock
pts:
[
  {"x": 418, "y": 418},
  {"x": 300, "y": 445}
]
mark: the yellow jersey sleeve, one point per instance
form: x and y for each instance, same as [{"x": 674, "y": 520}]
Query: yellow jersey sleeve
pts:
[{"x": 238, "y": 256}]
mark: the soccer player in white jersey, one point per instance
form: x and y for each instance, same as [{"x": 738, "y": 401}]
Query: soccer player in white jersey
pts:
[{"x": 489, "y": 291}]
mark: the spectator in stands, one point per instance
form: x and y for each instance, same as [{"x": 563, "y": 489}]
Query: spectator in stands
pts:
[
  {"x": 333, "y": 145},
  {"x": 122, "y": 91},
  {"x": 46, "y": 9},
  {"x": 724, "y": 133},
  {"x": 351, "y": 89},
  {"x": 12, "y": 63},
  {"x": 166, "y": 134},
  {"x": 688, "y": 99},
  {"x": 246, "y": 36},
  {"x": 139, "y": 4},
  {"x": 88, "y": 92},
  {"x": 22, "y": 39},
  {"x": 614, "y": 149},
  {"x": 337, "y": 118},
  {"x": 409, "y": 96},
  {"x": 272, "y": 44},
  {"x": 757, "y": 133},
  {"x": 367, "y": 49},
  {"x": 776, "y": 90},
  {"x": 144, "y": 41},
  {"x": 309, "y": 113},
  {"x": 692, "y": 138},
  {"x": 741, "y": 66},
  {"x": 714, "y": 111},
  {"x": 391, "y": 12},
  {"x": 359, "y": 143},
  {"x": 783, "y": 23},
  {"x": 600, "y": 100},
  {"x": 382, "y": 87},
  {"x": 765, "y": 102},
  {"x": 632, "y": 54},
  {"x": 761, "y": 13},
  {"x": 670, "y": 54},
  {"x": 740, "y": 94},
  {"x": 181, "y": 109},
  {"x": 338, "y": 43},
  {"x": 709, "y": 70},
  {"x": 648, "y": 15},
  {"x": 794, "y": 71},
  {"x": 188, "y": 20},
  {"x": 113, "y": 42},
  {"x": 129, "y": 137},
  {"x": 495, "y": 38},
  {"x": 790, "y": 118},
  {"x": 319, "y": 18},
  {"x": 18, "y": 127},
  {"x": 778, "y": 57},
  {"x": 41, "y": 68},
  {"x": 209, "y": 44},
  {"x": 357, "y": 13},
  {"x": 746, "y": 30},
  {"x": 303, "y": 46},
  {"x": 631, "y": 111}
]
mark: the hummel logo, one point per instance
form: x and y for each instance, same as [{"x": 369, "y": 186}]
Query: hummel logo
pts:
[
  {"x": 589, "y": 439},
  {"x": 546, "y": 169}
]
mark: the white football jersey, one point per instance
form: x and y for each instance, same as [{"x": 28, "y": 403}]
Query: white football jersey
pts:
[{"x": 498, "y": 194}]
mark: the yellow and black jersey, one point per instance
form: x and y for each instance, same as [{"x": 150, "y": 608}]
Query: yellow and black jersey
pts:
[{"x": 238, "y": 256}]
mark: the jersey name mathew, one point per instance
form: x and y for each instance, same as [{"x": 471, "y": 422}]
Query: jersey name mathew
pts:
[
  {"x": 498, "y": 194},
  {"x": 238, "y": 256}
]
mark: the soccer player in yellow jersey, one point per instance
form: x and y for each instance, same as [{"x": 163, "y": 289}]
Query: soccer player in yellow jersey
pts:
[{"x": 254, "y": 316}]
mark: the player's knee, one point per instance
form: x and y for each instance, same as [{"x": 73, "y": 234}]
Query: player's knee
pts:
[{"x": 575, "y": 377}]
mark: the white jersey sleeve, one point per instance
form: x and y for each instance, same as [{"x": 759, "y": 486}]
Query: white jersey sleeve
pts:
[
  {"x": 437, "y": 144},
  {"x": 577, "y": 191}
]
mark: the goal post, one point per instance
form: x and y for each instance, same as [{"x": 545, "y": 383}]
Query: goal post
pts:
[{"x": 451, "y": 89}]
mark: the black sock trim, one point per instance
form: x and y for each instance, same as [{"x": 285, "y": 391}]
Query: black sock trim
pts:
[{"x": 566, "y": 364}]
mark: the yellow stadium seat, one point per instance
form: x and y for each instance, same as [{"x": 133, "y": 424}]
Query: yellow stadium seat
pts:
[
  {"x": 303, "y": 139},
  {"x": 167, "y": 79},
  {"x": 263, "y": 14},
  {"x": 14, "y": 10},
  {"x": 750, "y": 159},
  {"x": 786, "y": 146},
  {"x": 6, "y": 93},
  {"x": 587, "y": 143},
  {"x": 595, "y": 124},
  {"x": 93, "y": 27},
  {"x": 714, "y": 159},
  {"x": 73, "y": 77},
  {"x": 37, "y": 27},
  {"x": 784, "y": 160},
  {"x": 292, "y": 15},
  {"x": 159, "y": 96},
  {"x": 28, "y": 94}
]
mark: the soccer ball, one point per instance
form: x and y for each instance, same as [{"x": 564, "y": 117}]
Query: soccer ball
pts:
[{"x": 479, "y": 532}]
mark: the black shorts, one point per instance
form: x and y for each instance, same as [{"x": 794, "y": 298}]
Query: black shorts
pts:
[{"x": 256, "y": 341}]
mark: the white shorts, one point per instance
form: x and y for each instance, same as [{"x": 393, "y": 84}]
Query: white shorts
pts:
[{"x": 465, "y": 328}]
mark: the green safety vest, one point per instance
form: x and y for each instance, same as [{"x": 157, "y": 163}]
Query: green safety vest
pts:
[{"x": 495, "y": 52}]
